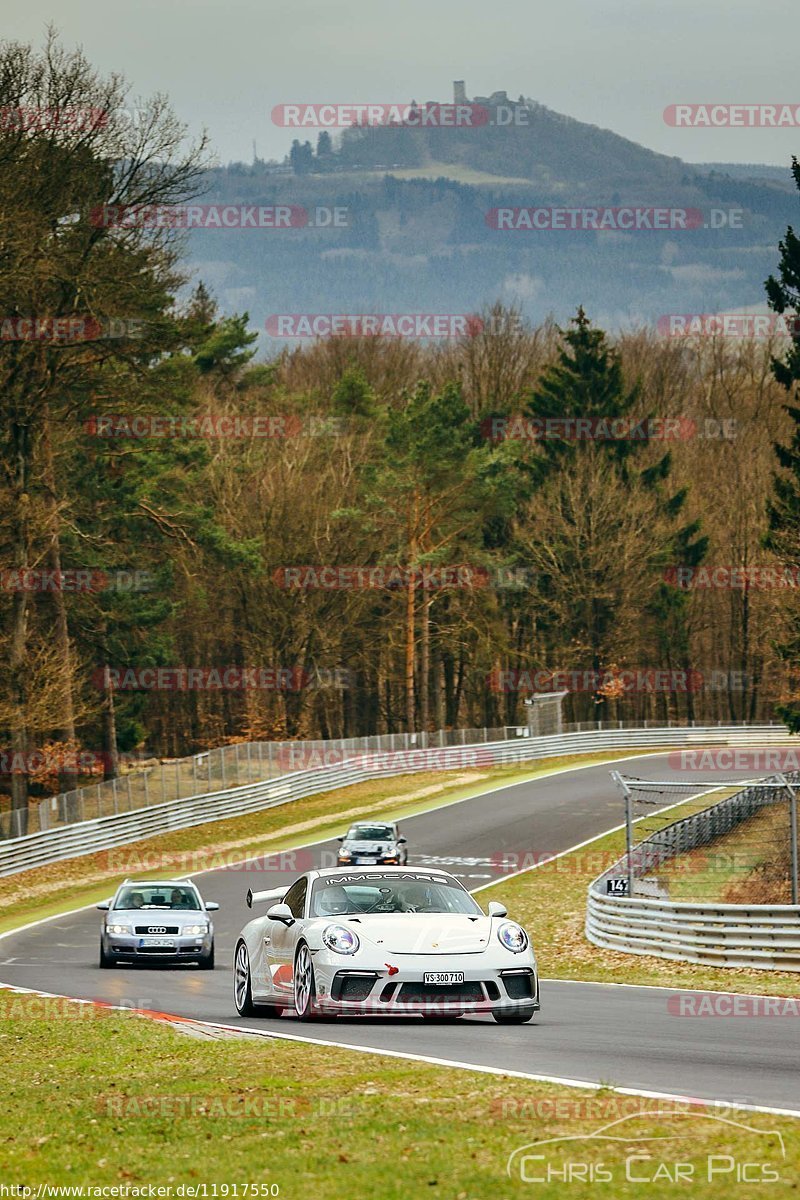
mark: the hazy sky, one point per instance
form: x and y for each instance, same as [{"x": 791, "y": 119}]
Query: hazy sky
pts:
[{"x": 615, "y": 63}]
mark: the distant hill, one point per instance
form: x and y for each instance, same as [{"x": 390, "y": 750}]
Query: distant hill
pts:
[
  {"x": 545, "y": 147},
  {"x": 417, "y": 237}
]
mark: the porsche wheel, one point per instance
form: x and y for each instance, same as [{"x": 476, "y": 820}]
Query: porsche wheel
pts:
[
  {"x": 305, "y": 991},
  {"x": 243, "y": 991}
]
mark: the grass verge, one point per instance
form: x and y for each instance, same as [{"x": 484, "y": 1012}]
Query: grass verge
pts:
[
  {"x": 123, "y": 1101},
  {"x": 749, "y": 865},
  {"x": 550, "y": 901}
]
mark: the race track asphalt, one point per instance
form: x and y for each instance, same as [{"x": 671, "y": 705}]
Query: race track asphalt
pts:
[{"x": 620, "y": 1036}]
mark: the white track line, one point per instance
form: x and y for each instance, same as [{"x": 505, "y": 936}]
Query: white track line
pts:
[{"x": 457, "y": 1064}]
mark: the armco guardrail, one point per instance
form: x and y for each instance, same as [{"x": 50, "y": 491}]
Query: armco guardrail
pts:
[
  {"x": 148, "y": 782},
  {"x": 764, "y": 936},
  {"x": 69, "y": 841}
]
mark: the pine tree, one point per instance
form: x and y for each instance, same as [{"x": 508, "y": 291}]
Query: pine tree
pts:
[
  {"x": 587, "y": 382},
  {"x": 783, "y": 511}
]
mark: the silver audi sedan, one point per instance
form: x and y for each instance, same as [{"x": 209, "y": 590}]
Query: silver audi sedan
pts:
[{"x": 157, "y": 921}]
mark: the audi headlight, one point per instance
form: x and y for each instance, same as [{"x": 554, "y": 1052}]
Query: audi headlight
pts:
[
  {"x": 194, "y": 930},
  {"x": 513, "y": 937},
  {"x": 118, "y": 929},
  {"x": 340, "y": 939}
]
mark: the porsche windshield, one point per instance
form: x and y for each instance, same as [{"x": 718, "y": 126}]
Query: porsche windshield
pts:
[{"x": 354, "y": 894}]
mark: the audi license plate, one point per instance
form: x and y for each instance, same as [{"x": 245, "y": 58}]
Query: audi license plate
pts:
[
  {"x": 164, "y": 943},
  {"x": 443, "y": 978}
]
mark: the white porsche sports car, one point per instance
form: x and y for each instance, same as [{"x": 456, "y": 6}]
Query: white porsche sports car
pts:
[{"x": 383, "y": 941}]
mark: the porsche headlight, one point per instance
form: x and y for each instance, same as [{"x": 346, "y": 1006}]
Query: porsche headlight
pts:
[
  {"x": 194, "y": 930},
  {"x": 118, "y": 929},
  {"x": 344, "y": 853},
  {"x": 340, "y": 939},
  {"x": 513, "y": 937}
]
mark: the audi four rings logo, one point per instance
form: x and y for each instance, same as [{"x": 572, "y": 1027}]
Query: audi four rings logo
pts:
[{"x": 158, "y": 929}]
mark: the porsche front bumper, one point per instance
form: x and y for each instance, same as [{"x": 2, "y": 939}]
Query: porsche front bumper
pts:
[{"x": 400, "y": 989}]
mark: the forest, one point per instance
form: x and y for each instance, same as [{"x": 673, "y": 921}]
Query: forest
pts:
[{"x": 367, "y": 533}]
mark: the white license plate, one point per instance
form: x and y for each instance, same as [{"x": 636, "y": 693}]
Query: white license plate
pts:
[
  {"x": 366, "y": 861},
  {"x": 166, "y": 943},
  {"x": 443, "y": 978}
]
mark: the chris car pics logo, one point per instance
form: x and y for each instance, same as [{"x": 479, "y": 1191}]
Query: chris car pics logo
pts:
[{"x": 627, "y": 1152}]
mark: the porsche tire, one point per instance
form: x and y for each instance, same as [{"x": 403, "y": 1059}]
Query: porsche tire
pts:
[
  {"x": 305, "y": 988},
  {"x": 243, "y": 991}
]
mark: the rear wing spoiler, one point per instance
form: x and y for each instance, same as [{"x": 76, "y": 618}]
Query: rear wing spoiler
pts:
[{"x": 275, "y": 895}]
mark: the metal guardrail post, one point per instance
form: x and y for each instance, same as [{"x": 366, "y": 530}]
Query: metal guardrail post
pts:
[
  {"x": 615, "y": 775},
  {"x": 792, "y": 833}
]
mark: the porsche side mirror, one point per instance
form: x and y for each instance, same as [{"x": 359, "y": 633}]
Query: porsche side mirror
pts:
[
  {"x": 105, "y": 906},
  {"x": 341, "y": 839},
  {"x": 280, "y": 912},
  {"x": 401, "y": 841},
  {"x": 496, "y": 909},
  {"x": 212, "y": 906}
]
